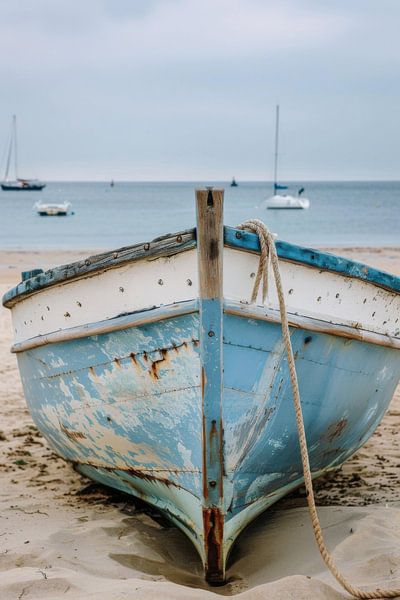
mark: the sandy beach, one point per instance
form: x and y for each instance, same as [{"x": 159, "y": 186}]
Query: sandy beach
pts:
[{"x": 63, "y": 537}]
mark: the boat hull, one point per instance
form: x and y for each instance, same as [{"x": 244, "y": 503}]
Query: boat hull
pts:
[
  {"x": 52, "y": 210},
  {"x": 20, "y": 187},
  {"x": 285, "y": 201},
  {"x": 183, "y": 399},
  {"x": 52, "y": 213},
  {"x": 125, "y": 407}
]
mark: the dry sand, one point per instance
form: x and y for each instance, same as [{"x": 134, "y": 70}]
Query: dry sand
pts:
[{"x": 62, "y": 537}]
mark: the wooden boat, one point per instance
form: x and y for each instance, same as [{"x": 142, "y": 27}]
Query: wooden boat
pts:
[
  {"x": 281, "y": 200},
  {"x": 18, "y": 184},
  {"x": 48, "y": 209},
  {"x": 150, "y": 371}
]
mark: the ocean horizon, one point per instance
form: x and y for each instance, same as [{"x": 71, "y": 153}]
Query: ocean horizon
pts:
[{"x": 342, "y": 213}]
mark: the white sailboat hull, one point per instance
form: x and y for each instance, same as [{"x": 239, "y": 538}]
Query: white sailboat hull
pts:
[{"x": 287, "y": 201}]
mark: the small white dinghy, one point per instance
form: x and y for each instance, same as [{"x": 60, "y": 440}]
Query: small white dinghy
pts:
[
  {"x": 287, "y": 201},
  {"x": 52, "y": 209}
]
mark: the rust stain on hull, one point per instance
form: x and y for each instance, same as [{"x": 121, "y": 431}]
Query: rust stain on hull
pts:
[
  {"x": 72, "y": 435},
  {"x": 204, "y": 429},
  {"x": 144, "y": 475},
  {"x": 336, "y": 429},
  {"x": 213, "y": 523}
]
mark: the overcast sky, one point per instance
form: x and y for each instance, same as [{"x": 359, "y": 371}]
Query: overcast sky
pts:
[{"x": 186, "y": 89}]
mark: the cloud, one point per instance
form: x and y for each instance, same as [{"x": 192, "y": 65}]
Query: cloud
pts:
[
  {"x": 54, "y": 35},
  {"x": 191, "y": 84}
]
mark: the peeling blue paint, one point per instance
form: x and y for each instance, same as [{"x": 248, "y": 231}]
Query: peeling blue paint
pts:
[{"x": 126, "y": 408}]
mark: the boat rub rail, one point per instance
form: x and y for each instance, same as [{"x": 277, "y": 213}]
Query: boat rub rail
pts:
[{"x": 153, "y": 314}]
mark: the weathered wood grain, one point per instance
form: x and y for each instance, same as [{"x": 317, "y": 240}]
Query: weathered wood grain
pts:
[
  {"x": 166, "y": 245},
  {"x": 210, "y": 245},
  {"x": 210, "y": 241}
]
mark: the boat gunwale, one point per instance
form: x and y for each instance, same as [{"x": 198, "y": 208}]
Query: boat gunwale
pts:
[
  {"x": 230, "y": 307},
  {"x": 175, "y": 243}
]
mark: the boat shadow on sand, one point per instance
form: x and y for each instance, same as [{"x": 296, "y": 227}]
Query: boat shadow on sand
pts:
[
  {"x": 178, "y": 560},
  {"x": 167, "y": 554}
]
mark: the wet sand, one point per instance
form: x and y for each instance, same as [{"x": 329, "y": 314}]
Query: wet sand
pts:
[{"x": 63, "y": 537}]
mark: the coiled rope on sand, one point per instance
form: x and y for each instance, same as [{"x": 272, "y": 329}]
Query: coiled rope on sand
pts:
[{"x": 269, "y": 254}]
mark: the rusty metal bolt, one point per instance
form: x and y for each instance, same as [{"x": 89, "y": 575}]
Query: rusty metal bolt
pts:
[
  {"x": 252, "y": 275},
  {"x": 87, "y": 262},
  {"x": 179, "y": 238},
  {"x": 291, "y": 291},
  {"x": 212, "y": 483},
  {"x": 211, "y": 334},
  {"x": 160, "y": 282},
  {"x": 147, "y": 246},
  {"x": 238, "y": 235}
]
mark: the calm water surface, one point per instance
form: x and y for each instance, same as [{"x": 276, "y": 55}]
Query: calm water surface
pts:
[{"x": 341, "y": 213}]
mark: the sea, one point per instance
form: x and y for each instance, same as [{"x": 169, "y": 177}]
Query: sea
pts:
[{"x": 107, "y": 217}]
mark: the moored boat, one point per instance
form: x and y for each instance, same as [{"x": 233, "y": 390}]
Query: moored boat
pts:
[
  {"x": 149, "y": 369},
  {"x": 48, "y": 209},
  {"x": 281, "y": 200},
  {"x": 18, "y": 184},
  {"x": 21, "y": 185}
]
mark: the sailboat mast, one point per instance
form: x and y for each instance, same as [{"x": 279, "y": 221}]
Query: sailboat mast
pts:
[
  {"x": 276, "y": 147},
  {"x": 15, "y": 146},
  {"x": 10, "y": 149}
]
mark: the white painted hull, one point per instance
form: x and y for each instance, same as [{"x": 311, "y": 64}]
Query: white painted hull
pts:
[
  {"x": 325, "y": 297},
  {"x": 52, "y": 210}
]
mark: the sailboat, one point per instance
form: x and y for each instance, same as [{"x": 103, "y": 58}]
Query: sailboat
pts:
[
  {"x": 279, "y": 200},
  {"x": 19, "y": 183},
  {"x": 234, "y": 182}
]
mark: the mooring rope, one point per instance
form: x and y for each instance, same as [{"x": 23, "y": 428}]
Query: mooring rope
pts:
[{"x": 269, "y": 254}]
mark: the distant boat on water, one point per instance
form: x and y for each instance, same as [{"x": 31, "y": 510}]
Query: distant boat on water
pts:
[
  {"x": 18, "y": 184},
  {"x": 112, "y": 183},
  {"x": 52, "y": 209},
  {"x": 233, "y": 182},
  {"x": 284, "y": 200}
]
